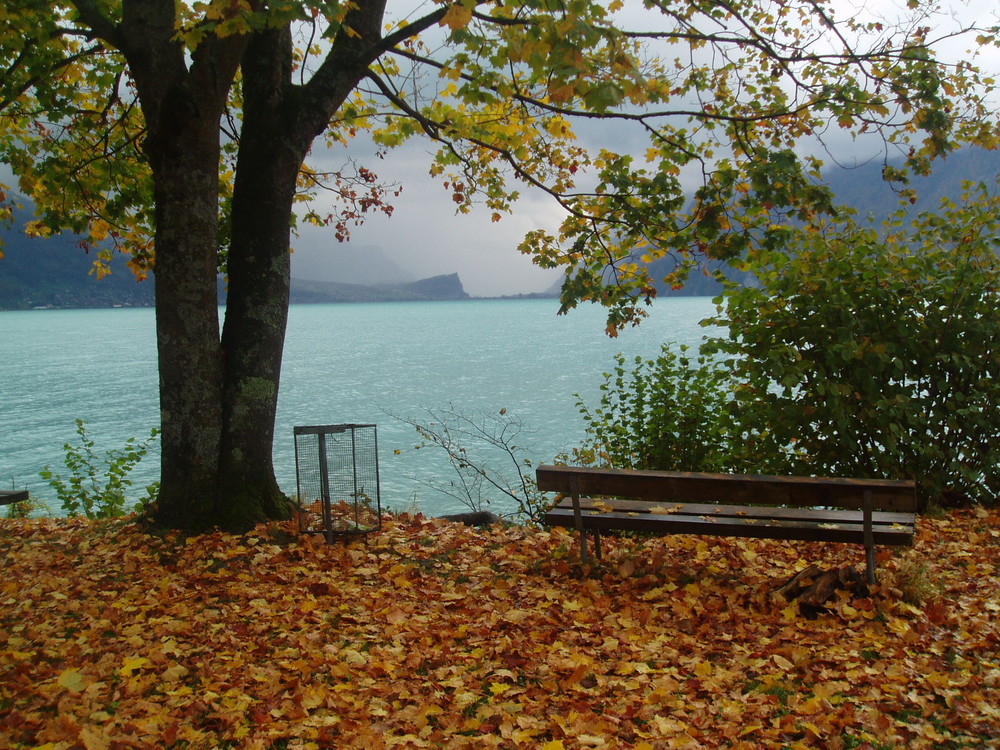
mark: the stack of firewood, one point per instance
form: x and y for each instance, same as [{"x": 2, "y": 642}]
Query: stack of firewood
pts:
[{"x": 814, "y": 587}]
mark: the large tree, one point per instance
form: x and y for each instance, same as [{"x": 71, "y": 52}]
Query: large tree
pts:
[{"x": 178, "y": 132}]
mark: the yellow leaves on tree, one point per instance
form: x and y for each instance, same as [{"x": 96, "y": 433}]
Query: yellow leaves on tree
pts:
[
  {"x": 457, "y": 17},
  {"x": 430, "y": 634}
]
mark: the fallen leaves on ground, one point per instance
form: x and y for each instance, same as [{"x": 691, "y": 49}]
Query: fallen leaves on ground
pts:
[{"x": 431, "y": 634}]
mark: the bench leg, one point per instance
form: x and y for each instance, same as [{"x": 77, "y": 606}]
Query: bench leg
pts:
[
  {"x": 597, "y": 543},
  {"x": 869, "y": 537},
  {"x": 578, "y": 520}
]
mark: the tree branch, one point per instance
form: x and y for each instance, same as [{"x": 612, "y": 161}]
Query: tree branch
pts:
[
  {"x": 102, "y": 26},
  {"x": 37, "y": 79}
]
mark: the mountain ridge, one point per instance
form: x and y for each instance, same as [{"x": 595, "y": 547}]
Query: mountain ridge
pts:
[
  {"x": 432, "y": 289},
  {"x": 53, "y": 272}
]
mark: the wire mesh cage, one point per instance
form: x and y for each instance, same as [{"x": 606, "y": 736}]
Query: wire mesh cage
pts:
[{"x": 336, "y": 467}]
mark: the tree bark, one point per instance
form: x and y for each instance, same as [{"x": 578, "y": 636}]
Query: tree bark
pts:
[
  {"x": 187, "y": 336},
  {"x": 258, "y": 287}
]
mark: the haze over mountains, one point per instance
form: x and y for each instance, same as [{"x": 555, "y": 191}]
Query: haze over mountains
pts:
[
  {"x": 55, "y": 272},
  {"x": 350, "y": 264},
  {"x": 862, "y": 187}
]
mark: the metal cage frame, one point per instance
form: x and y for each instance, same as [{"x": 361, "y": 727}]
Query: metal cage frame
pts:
[{"x": 358, "y": 499}]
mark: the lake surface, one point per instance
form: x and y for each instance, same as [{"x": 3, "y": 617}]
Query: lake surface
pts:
[{"x": 347, "y": 363}]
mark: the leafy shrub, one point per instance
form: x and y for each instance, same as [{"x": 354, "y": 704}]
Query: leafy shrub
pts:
[
  {"x": 877, "y": 353},
  {"x": 95, "y": 492},
  {"x": 869, "y": 352},
  {"x": 668, "y": 413}
]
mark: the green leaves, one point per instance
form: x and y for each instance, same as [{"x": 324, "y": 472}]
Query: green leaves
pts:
[
  {"x": 604, "y": 96},
  {"x": 69, "y": 129},
  {"x": 669, "y": 414},
  {"x": 97, "y": 492},
  {"x": 877, "y": 353},
  {"x": 722, "y": 93},
  {"x": 865, "y": 352}
]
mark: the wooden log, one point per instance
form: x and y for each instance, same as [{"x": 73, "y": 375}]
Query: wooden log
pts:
[
  {"x": 478, "y": 518},
  {"x": 814, "y": 587}
]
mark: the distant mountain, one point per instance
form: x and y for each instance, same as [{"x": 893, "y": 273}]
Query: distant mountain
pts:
[
  {"x": 863, "y": 188},
  {"x": 55, "y": 272},
  {"x": 436, "y": 288}
]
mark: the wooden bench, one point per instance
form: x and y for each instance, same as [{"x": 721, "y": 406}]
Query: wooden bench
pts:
[
  {"x": 9, "y": 497},
  {"x": 859, "y": 511}
]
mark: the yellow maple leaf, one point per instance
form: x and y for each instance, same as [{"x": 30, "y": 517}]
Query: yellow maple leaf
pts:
[
  {"x": 175, "y": 673},
  {"x": 132, "y": 664},
  {"x": 782, "y": 662},
  {"x": 353, "y": 657},
  {"x": 94, "y": 738},
  {"x": 813, "y": 728},
  {"x": 457, "y": 17},
  {"x": 498, "y": 688},
  {"x": 71, "y": 679},
  {"x": 554, "y": 745}
]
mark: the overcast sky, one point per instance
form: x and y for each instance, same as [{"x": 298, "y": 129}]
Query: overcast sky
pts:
[{"x": 426, "y": 237}]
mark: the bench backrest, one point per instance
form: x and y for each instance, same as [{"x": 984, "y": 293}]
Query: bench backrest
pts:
[{"x": 733, "y": 489}]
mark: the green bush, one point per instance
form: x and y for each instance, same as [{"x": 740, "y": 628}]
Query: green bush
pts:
[
  {"x": 870, "y": 352},
  {"x": 95, "y": 492},
  {"x": 877, "y": 353},
  {"x": 668, "y": 413}
]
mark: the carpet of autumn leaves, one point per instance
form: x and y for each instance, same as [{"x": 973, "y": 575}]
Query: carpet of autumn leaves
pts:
[{"x": 430, "y": 634}]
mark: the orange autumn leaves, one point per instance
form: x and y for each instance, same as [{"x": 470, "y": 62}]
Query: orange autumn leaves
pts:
[{"x": 433, "y": 635}]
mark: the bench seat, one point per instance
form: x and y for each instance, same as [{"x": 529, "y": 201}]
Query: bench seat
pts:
[
  {"x": 9, "y": 497},
  {"x": 869, "y": 512},
  {"x": 828, "y": 525}
]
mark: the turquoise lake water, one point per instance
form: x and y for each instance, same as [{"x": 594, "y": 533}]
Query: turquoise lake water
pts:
[{"x": 350, "y": 363}]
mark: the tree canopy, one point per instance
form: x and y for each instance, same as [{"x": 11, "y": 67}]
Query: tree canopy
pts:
[{"x": 179, "y": 133}]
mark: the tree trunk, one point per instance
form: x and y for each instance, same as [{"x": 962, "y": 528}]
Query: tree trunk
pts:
[
  {"x": 187, "y": 335},
  {"x": 280, "y": 121},
  {"x": 258, "y": 288},
  {"x": 254, "y": 334}
]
